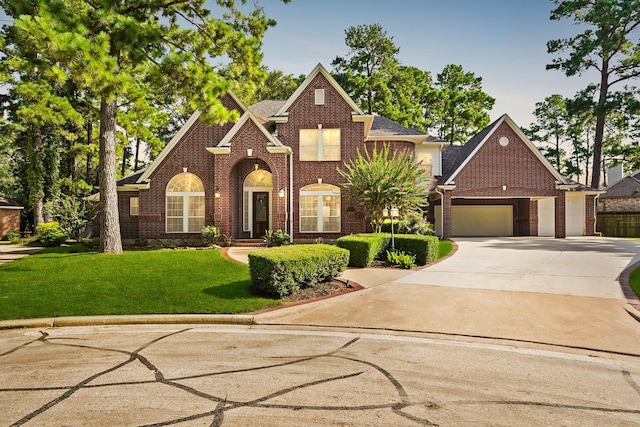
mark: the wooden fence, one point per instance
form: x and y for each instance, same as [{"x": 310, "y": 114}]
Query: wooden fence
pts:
[{"x": 613, "y": 224}]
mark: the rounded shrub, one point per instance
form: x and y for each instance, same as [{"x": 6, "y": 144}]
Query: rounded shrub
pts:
[{"x": 51, "y": 234}]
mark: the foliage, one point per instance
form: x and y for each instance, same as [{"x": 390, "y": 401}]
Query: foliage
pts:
[
  {"x": 276, "y": 85},
  {"x": 365, "y": 72},
  {"x": 141, "y": 242},
  {"x": 280, "y": 271},
  {"x": 73, "y": 214},
  {"x": 634, "y": 281},
  {"x": 364, "y": 248},
  {"x": 51, "y": 234},
  {"x": 131, "y": 57},
  {"x": 385, "y": 178},
  {"x": 210, "y": 234},
  {"x": 276, "y": 238},
  {"x": 414, "y": 223},
  {"x": 402, "y": 259},
  {"x": 72, "y": 281},
  {"x": 552, "y": 124},
  {"x": 13, "y": 236},
  {"x": 458, "y": 106},
  {"x": 608, "y": 44}
]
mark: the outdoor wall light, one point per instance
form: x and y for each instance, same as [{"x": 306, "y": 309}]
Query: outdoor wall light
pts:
[
  {"x": 216, "y": 193},
  {"x": 281, "y": 193}
]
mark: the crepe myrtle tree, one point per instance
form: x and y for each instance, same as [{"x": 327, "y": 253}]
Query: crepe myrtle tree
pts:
[{"x": 385, "y": 178}]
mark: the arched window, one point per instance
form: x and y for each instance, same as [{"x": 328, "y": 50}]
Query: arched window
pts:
[
  {"x": 185, "y": 204},
  {"x": 320, "y": 208}
]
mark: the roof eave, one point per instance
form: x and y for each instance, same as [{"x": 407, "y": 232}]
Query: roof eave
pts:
[{"x": 416, "y": 139}]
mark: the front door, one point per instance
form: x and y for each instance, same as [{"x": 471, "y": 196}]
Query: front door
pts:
[{"x": 260, "y": 214}]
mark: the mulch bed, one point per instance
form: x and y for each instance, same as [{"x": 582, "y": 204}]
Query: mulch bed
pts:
[{"x": 320, "y": 290}]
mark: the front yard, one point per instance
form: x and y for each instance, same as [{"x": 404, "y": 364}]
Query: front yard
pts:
[{"x": 65, "y": 282}]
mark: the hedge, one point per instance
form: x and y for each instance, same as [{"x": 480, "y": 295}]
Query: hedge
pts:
[
  {"x": 364, "y": 248},
  {"x": 282, "y": 270}
]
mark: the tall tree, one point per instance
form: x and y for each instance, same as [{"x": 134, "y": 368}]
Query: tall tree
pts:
[
  {"x": 123, "y": 52},
  {"x": 366, "y": 70},
  {"x": 552, "y": 125},
  {"x": 459, "y": 107},
  {"x": 608, "y": 45}
]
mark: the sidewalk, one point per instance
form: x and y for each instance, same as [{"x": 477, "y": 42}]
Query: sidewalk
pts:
[{"x": 13, "y": 252}]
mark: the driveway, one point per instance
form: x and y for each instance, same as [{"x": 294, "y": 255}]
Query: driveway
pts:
[{"x": 586, "y": 266}]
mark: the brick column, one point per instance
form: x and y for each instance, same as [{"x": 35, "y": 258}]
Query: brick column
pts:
[
  {"x": 533, "y": 217},
  {"x": 446, "y": 214},
  {"x": 590, "y": 217},
  {"x": 560, "y": 213}
]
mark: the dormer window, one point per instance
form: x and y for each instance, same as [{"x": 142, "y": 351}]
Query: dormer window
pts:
[{"x": 319, "y": 96}]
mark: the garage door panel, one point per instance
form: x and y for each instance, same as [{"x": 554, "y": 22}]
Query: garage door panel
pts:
[{"x": 482, "y": 220}]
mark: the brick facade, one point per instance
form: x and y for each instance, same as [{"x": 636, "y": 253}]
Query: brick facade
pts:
[
  {"x": 619, "y": 204},
  {"x": 9, "y": 220}
]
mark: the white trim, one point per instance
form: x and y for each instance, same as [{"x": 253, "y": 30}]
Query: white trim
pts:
[
  {"x": 319, "y": 69},
  {"x": 280, "y": 150},
  {"x": 133, "y": 187},
  {"x": 416, "y": 139},
  {"x": 248, "y": 115},
  {"x": 219, "y": 150},
  {"x": 169, "y": 147},
  {"x": 523, "y": 137},
  {"x": 15, "y": 207}
]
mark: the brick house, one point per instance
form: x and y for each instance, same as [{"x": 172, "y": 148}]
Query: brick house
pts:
[
  {"x": 499, "y": 184},
  {"x": 622, "y": 196},
  {"x": 276, "y": 168},
  {"x": 9, "y": 216}
]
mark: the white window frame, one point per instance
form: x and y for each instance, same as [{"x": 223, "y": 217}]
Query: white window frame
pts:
[
  {"x": 134, "y": 206},
  {"x": 320, "y": 218},
  {"x": 319, "y": 144},
  {"x": 185, "y": 195},
  {"x": 319, "y": 96}
]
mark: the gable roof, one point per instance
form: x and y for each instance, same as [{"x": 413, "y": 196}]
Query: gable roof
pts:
[
  {"x": 319, "y": 69},
  {"x": 272, "y": 141},
  {"x": 629, "y": 186},
  {"x": 457, "y": 157}
]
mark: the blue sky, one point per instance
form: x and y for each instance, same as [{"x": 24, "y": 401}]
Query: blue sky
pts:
[{"x": 502, "y": 41}]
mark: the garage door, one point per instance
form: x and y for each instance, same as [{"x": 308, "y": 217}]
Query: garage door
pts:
[
  {"x": 575, "y": 212},
  {"x": 482, "y": 220}
]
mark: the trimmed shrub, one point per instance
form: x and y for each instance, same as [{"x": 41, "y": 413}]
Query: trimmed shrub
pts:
[
  {"x": 425, "y": 248},
  {"x": 280, "y": 271},
  {"x": 51, "y": 234},
  {"x": 364, "y": 248}
]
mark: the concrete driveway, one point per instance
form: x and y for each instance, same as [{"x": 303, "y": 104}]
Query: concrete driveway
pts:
[{"x": 586, "y": 266}]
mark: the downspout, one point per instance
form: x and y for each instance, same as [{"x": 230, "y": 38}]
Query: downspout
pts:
[
  {"x": 291, "y": 196},
  {"x": 441, "y": 211}
]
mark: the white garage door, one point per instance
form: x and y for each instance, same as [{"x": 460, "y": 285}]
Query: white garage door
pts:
[
  {"x": 482, "y": 220},
  {"x": 575, "y": 211},
  {"x": 547, "y": 217}
]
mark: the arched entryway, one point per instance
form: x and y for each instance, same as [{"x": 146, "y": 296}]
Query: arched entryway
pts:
[{"x": 257, "y": 209}]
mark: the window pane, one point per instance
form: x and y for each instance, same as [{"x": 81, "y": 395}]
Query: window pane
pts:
[
  {"x": 174, "y": 206},
  {"x": 174, "y": 225},
  {"x": 331, "y": 213},
  {"x": 308, "y": 144},
  {"x": 309, "y": 205},
  {"x": 196, "y": 206},
  {"x": 245, "y": 211},
  {"x": 185, "y": 182},
  {"x": 309, "y": 224},
  {"x": 331, "y": 144},
  {"x": 195, "y": 225},
  {"x": 427, "y": 162},
  {"x": 134, "y": 206}
]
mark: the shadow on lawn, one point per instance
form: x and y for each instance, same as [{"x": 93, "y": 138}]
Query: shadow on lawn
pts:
[{"x": 233, "y": 290}]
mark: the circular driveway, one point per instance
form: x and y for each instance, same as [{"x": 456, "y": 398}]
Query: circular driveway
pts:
[{"x": 587, "y": 266}]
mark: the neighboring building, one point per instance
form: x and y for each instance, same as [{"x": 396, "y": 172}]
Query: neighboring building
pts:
[
  {"x": 9, "y": 216},
  {"x": 622, "y": 196},
  {"x": 276, "y": 168}
]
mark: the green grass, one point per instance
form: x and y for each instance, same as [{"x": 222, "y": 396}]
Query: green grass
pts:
[
  {"x": 444, "y": 248},
  {"x": 634, "y": 281},
  {"x": 67, "y": 282}
]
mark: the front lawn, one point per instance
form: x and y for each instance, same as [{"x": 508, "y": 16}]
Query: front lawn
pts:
[
  {"x": 65, "y": 282},
  {"x": 634, "y": 281},
  {"x": 444, "y": 248}
]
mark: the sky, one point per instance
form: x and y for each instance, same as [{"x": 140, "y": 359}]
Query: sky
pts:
[{"x": 502, "y": 41}]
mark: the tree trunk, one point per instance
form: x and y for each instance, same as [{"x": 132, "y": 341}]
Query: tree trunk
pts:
[
  {"x": 600, "y": 122},
  {"x": 89, "y": 171},
  {"x": 135, "y": 167},
  {"x": 35, "y": 177},
  {"x": 38, "y": 213},
  {"x": 110, "y": 241}
]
